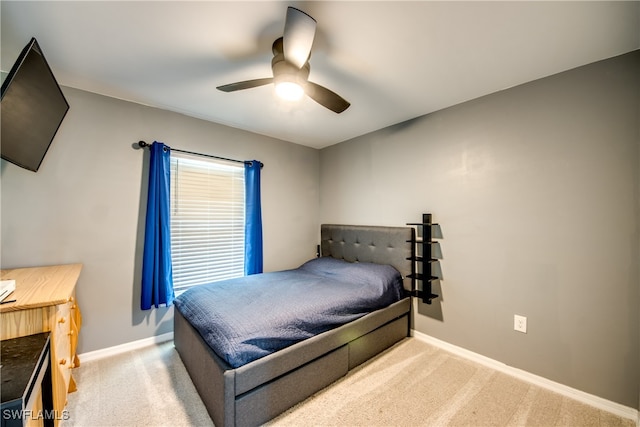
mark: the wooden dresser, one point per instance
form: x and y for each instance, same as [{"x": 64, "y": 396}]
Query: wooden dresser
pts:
[{"x": 45, "y": 302}]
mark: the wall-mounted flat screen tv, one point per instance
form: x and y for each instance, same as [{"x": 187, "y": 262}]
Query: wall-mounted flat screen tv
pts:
[{"x": 32, "y": 109}]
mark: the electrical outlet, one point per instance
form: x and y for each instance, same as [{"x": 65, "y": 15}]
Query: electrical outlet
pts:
[{"x": 520, "y": 323}]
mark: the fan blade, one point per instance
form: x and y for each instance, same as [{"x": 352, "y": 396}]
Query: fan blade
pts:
[
  {"x": 247, "y": 84},
  {"x": 299, "y": 32},
  {"x": 326, "y": 98}
]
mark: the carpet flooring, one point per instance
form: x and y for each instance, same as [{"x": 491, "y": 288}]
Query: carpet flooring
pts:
[{"x": 411, "y": 384}]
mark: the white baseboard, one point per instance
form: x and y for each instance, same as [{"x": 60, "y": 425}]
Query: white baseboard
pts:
[
  {"x": 123, "y": 348},
  {"x": 581, "y": 396}
]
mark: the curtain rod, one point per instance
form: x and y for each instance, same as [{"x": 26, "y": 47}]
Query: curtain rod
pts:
[{"x": 143, "y": 144}]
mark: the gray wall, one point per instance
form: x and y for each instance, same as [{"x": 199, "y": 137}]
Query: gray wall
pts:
[
  {"x": 536, "y": 189},
  {"x": 86, "y": 204}
]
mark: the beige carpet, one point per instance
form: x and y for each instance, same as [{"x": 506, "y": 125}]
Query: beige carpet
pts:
[{"x": 412, "y": 384}]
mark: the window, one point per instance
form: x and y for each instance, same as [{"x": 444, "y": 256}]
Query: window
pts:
[{"x": 207, "y": 220}]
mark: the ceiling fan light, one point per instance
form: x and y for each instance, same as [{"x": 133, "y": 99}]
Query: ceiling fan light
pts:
[{"x": 290, "y": 91}]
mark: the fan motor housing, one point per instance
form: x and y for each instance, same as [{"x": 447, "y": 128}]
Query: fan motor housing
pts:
[{"x": 284, "y": 71}]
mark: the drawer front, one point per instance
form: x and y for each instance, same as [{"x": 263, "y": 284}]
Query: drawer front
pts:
[
  {"x": 60, "y": 355},
  {"x": 76, "y": 323},
  {"x": 20, "y": 323},
  {"x": 62, "y": 341}
]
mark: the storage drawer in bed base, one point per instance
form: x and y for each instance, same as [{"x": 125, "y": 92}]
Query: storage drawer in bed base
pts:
[
  {"x": 216, "y": 381},
  {"x": 367, "y": 346},
  {"x": 269, "y": 400}
]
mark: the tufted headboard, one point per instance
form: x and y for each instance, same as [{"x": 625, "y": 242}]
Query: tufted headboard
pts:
[{"x": 380, "y": 245}]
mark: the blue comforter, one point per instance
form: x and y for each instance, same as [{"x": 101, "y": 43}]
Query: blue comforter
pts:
[{"x": 250, "y": 317}]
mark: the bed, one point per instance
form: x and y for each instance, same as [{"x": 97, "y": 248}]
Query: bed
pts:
[{"x": 250, "y": 392}]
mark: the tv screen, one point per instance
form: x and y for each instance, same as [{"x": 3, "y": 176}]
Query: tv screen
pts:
[{"x": 32, "y": 109}]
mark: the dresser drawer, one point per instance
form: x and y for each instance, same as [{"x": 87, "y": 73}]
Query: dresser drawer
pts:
[
  {"x": 76, "y": 324},
  {"x": 61, "y": 360}
]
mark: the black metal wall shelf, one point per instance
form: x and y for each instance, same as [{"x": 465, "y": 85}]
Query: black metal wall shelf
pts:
[{"x": 422, "y": 259}]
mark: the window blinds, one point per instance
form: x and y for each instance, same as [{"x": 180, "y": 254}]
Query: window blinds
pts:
[{"x": 207, "y": 220}]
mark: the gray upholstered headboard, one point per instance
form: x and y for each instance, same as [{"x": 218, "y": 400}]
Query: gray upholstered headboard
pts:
[{"x": 381, "y": 245}]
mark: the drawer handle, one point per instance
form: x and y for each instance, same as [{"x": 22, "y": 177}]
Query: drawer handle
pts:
[
  {"x": 63, "y": 362},
  {"x": 62, "y": 320}
]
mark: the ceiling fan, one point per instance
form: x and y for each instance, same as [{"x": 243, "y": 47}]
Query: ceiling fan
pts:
[{"x": 290, "y": 65}]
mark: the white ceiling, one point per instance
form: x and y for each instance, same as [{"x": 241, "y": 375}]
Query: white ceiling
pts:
[{"x": 393, "y": 61}]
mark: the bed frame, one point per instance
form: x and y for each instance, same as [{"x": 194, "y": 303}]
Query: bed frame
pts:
[{"x": 259, "y": 391}]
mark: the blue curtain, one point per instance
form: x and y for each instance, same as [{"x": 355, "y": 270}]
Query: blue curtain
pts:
[
  {"x": 157, "y": 275},
  {"x": 253, "y": 219}
]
